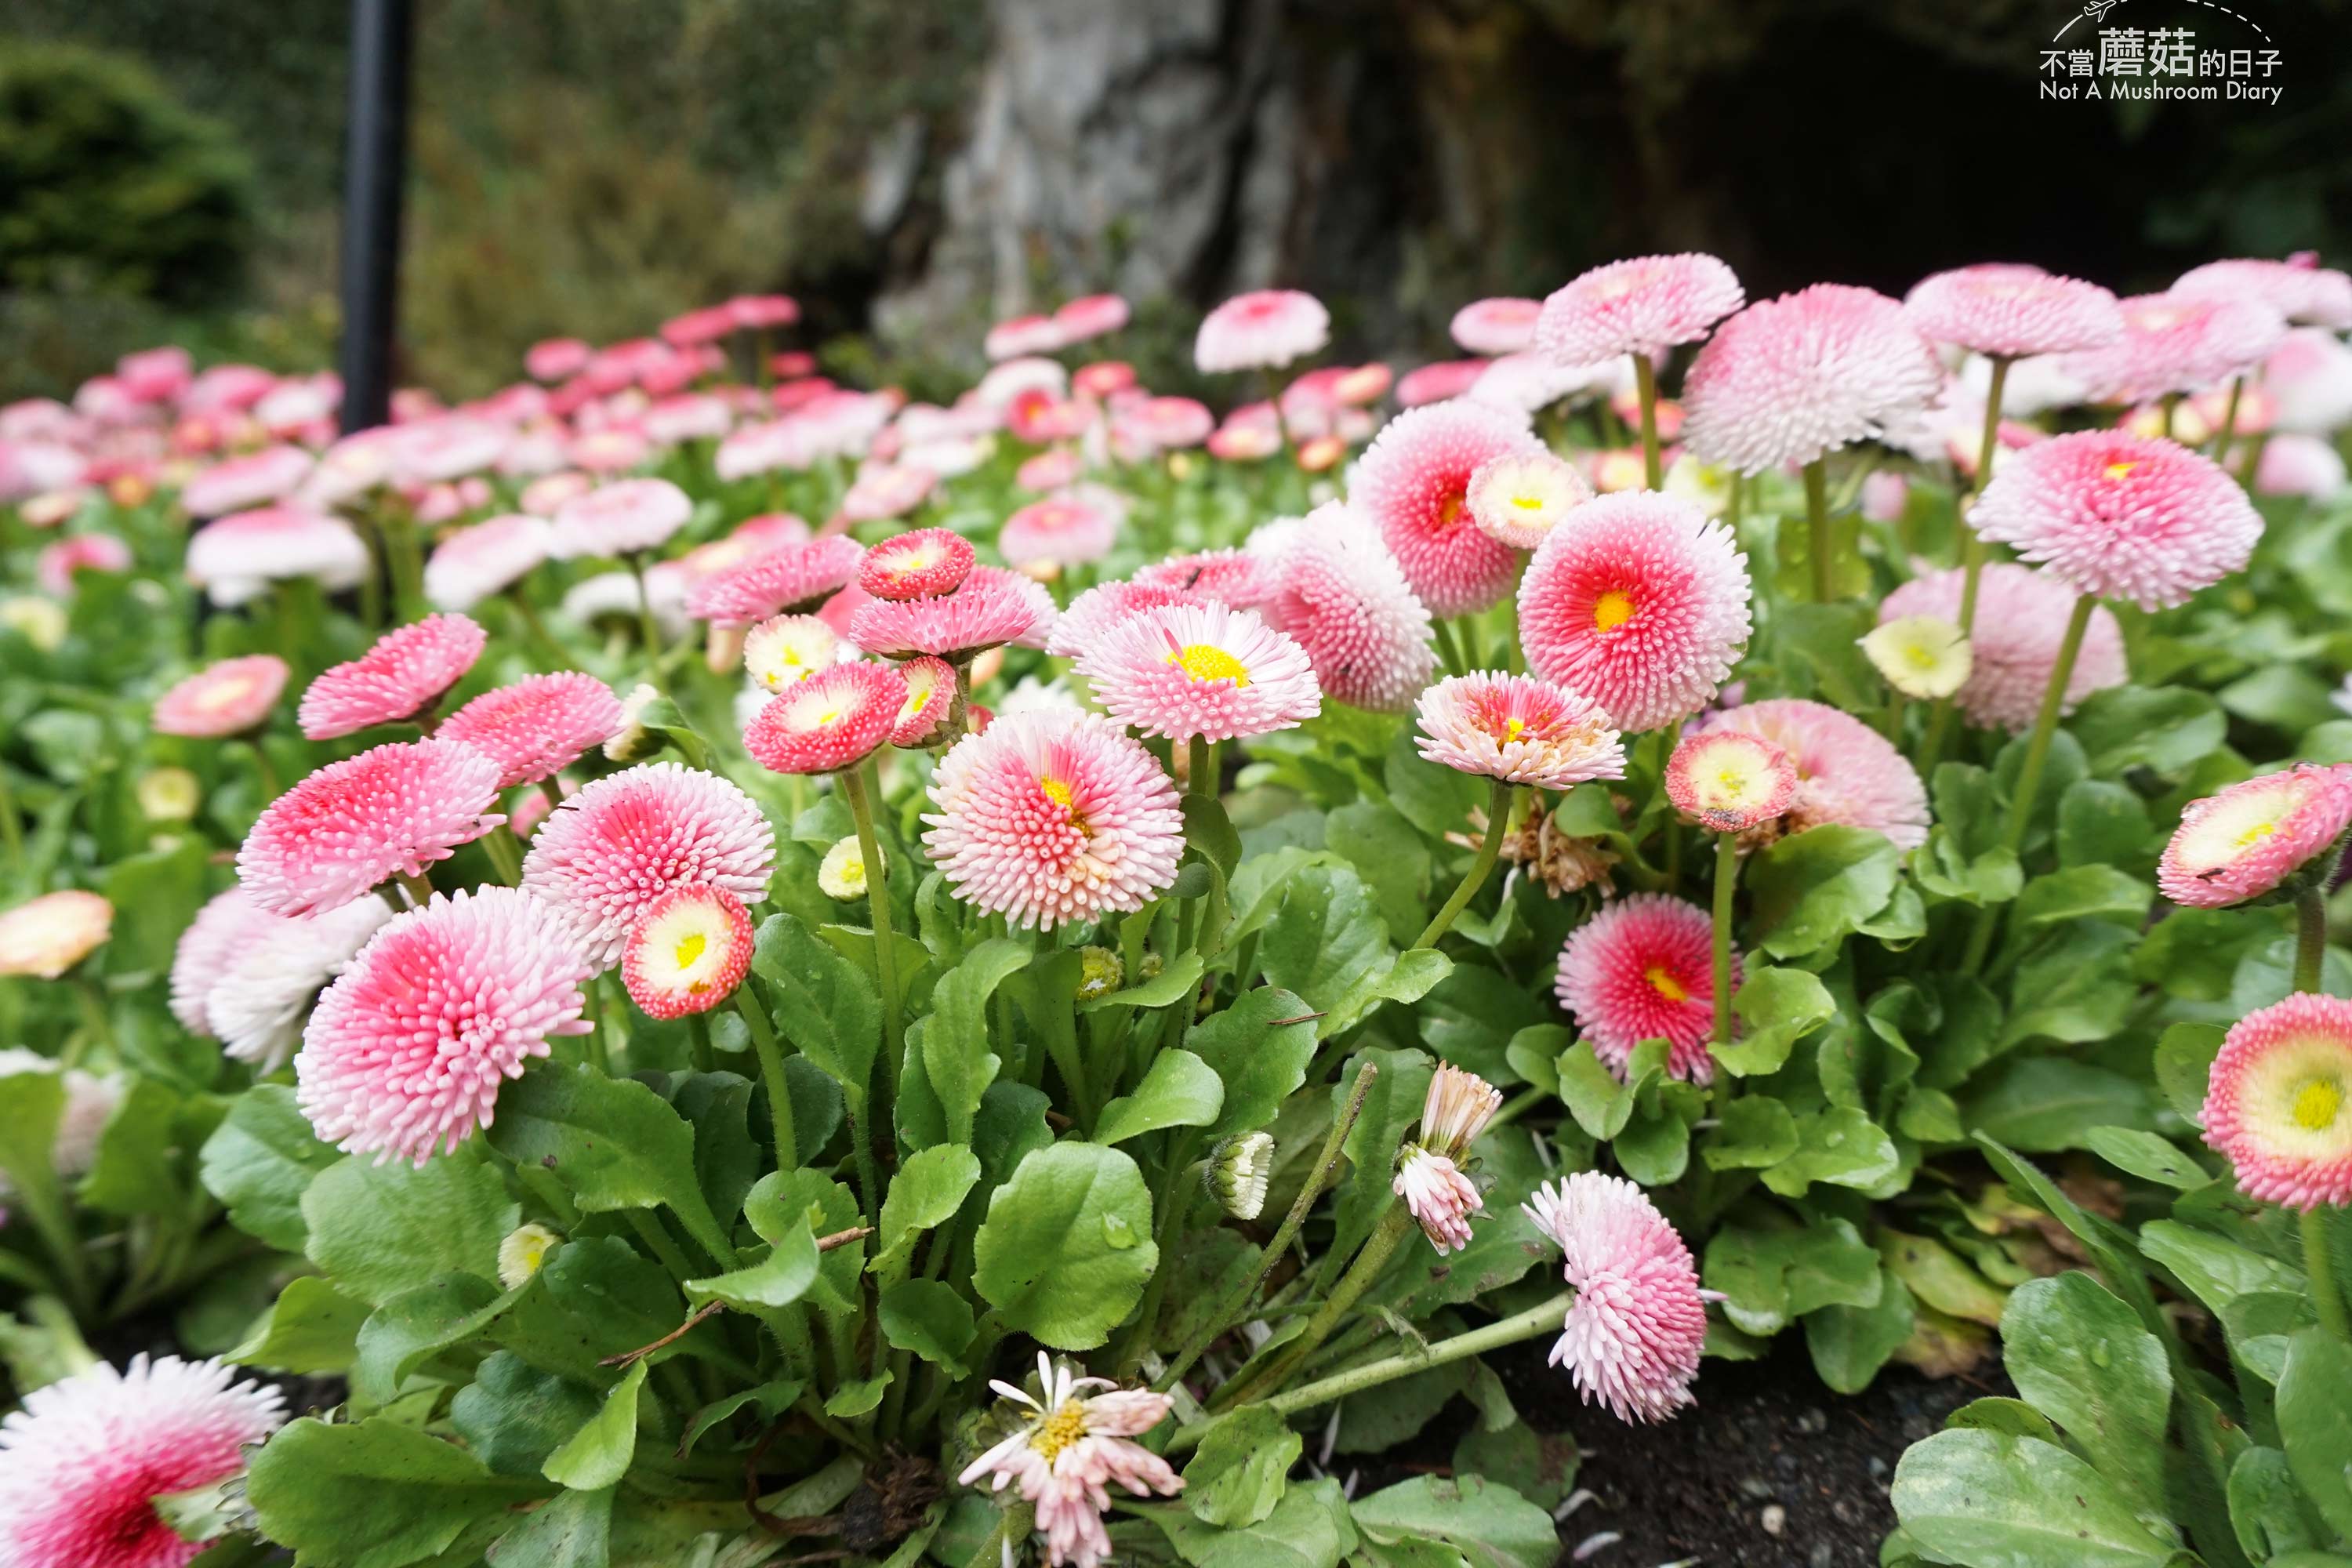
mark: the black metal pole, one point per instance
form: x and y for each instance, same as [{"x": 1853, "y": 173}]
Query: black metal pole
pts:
[{"x": 375, "y": 168}]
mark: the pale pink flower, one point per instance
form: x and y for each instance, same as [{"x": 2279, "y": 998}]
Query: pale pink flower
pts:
[
  {"x": 1090, "y": 316},
  {"x": 1234, "y": 578},
  {"x": 2252, "y": 838},
  {"x": 58, "y": 563},
  {"x": 46, "y": 936},
  {"x": 538, "y": 726},
  {"x": 1264, "y": 330},
  {"x": 687, "y": 953},
  {"x": 1440, "y": 1198},
  {"x": 2177, "y": 342},
  {"x": 224, "y": 698},
  {"x": 2021, "y": 620},
  {"x": 2276, "y": 1103},
  {"x": 488, "y": 558},
  {"x": 627, "y": 517},
  {"x": 1182, "y": 671},
  {"x": 1729, "y": 781},
  {"x": 1018, "y": 335},
  {"x": 237, "y": 557},
  {"x": 355, "y": 824},
  {"x": 2299, "y": 289},
  {"x": 1436, "y": 383},
  {"x": 789, "y": 579},
  {"x": 253, "y": 479},
  {"x": 1109, "y": 604},
  {"x": 1496, "y": 326},
  {"x": 407, "y": 672},
  {"x": 2014, "y": 311},
  {"x": 1516, "y": 498},
  {"x": 449, "y": 447},
  {"x": 155, "y": 375},
  {"x": 1643, "y": 969},
  {"x": 2309, "y": 378},
  {"x": 255, "y": 999},
  {"x": 1644, "y": 306},
  {"x": 1847, "y": 772},
  {"x": 1787, "y": 379},
  {"x": 1413, "y": 483},
  {"x": 1069, "y": 1450},
  {"x": 1339, "y": 594},
  {"x": 1632, "y": 1338},
  {"x": 1518, "y": 729},
  {"x": 1071, "y": 529},
  {"x": 988, "y": 610},
  {"x": 2304, "y": 466},
  {"x": 229, "y": 923}
]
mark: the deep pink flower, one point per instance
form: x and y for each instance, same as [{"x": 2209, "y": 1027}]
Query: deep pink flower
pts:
[
  {"x": 1643, "y": 969},
  {"x": 355, "y": 824},
  {"x": 1644, "y": 306},
  {"x": 555, "y": 359},
  {"x": 2177, "y": 342},
  {"x": 2013, "y": 311},
  {"x": 1413, "y": 482},
  {"x": 1847, "y": 772},
  {"x": 224, "y": 698},
  {"x": 1517, "y": 728},
  {"x": 404, "y": 1053},
  {"x": 2249, "y": 838},
  {"x": 688, "y": 951},
  {"x": 930, "y": 694},
  {"x": 787, "y": 580},
  {"x": 407, "y": 672},
  {"x": 991, "y": 608},
  {"x": 1339, "y": 594},
  {"x": 1632, "y": 1338},
  {"x": 1787, "y": 380},
  {"x": 831, "y": 721},
  {"x": 2276, "y": 1103},
  {"x": 1264, "y": 330},
  {"x": 2021, "y": 620},
  {"x": 538, "y": 726},
  {"x": 1182, "y": 671}
]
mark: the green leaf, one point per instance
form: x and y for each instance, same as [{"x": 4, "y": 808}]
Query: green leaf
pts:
[
  {"x": 1259, "y": 1048},
  {"x": 1308, "y": 1528},
  {"x": 2080, "y": 1356},
  {"x": 925, "y": 1193},
  {"x": 573, "y": 1532},
  {"x": 135, "y": 1168},
  {"x": 598, "y": 1455},
  {"x": 930, "y": 1318},
  {"x": 768, "y": 1399},
  {"x": 611, "y": 1141},
  {"x": 1066, "y": 1247},
  {"x": 1811, "y": 889},
  {"x": 1489, "y": 1525},
  {"x": 2102, "y": 824},
  {"x": 1842, "y": 1146},
  {"x": 779, "y": 1279},
  {"x": 1936, "y": 1275},
  {"x": 956, "y": 1057},
  {"x": 259, "y": 1161},
  {"x": 1178, "y": 980},
  {"x": 1654, "y": 1149},
  {"x": 2082, "y": 893},
  {"x": 1754, "y": 1131},
  {"x": 1391, "y": 857},
  {"x": 514, "y": 1416},
  {"x": 1540, "y": 1467},
  {"x": 2314, "y": 1422},
  {"x": 2217, "y": 1271},
  {"x": 1179, "y": 1089},
  {"x": 311, "y": 1328},
  {"x": 1848, "y": 1344},
  {"x": 1325, "y": 939},
  {"x": 372, "y": 1494},
  {"x": 2184, "y": 1063},
  {"x": 1601, "y": 1105},
  {"x": 852, "y": 1400},
  {"x": 1772, "y": 1277},
  {"x": 2013, "y": 1416},
  {"x": 2147, "y": 1156},
  {"x": 824, "y": 1004},
  {"x": 1239, "y": 1473},
  {"x": 1990, "y": 1500},
  {"x": 2044, "y": 1103},
  {"x": 1391, "y": 1104},
  {"x": 1471, "y": 1017},
  {"x": 1777, "y": 1007},
  {"x": 413, "y": 1327},
  {"x": 2074, "y": 986},
  {"x": 377, "y": 1230},
  {"x": 2167, "y": 731}
]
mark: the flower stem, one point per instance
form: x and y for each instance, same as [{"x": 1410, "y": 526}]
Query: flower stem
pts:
[
  {"x": 1726, "y": 878},
  {"x": 2325, "y": 1293},
  {"x": 1817, "y": 531},
  {"x": 1447, "y": 650},
  {"x": 1972, "y": 557},
  {"x": 2029, "y": 772},
  {"x": 648, "y": 631},
  {"x": 2310, "y": 936},
  {"x": 2222, "y": 442},
  {"x": 877, "y": 900},
  {"x": 1396, "y": 1223},
  {"x": 498, "y": 844},
  {"x": 1498, "y": 825},
  {"x": 1645, "y": 385},
  {"x": 1520, "y": 1326},
  {"x": 771, "y": 1073}
]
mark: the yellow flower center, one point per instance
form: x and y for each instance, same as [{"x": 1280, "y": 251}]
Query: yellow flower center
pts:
[
  {"x": 222, "y": 697},
  {"x": 2120, "y": 471},
  {"x": 1449, "y": 510},
  {"x": 1663, "y": 981},
  {"x": 690, "y": 947},
  {"x": 1527, "y": 503},
  {"x": 1613, "y": 609},
  {"x": 2318, "y": 1104},
  {"x": 1058, "y": 1431},
  {"x": 1206, "y": 661},
  {"x": 2256, "y": 834},
  {"x": 1059, "y": 793},
  {"x": 911, "y": 561},
  {"x": 1513, "y": 728}
]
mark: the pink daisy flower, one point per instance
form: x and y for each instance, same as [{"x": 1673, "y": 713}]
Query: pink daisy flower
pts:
[
  {"x": 255, "y": 1001},
  {"x": 404, "y": 1053},
  {"x": 2021, "y": 621},
  {"x": 236, "y": 558},
  {"x": 1018, "y": 335},
  {"x": 1429, "y": 1177},
  {"x": 1070, "y": 1446},
  {"x": 1341, "y": 596},
  {"x": 1518, "y": 729},
  {"x": 227, "y": 925},
  {"x": 1729, "y": 781},
  {"x": 253, "y": 479},
  {"x": 1497, "y": 326},
  {"x": 1847, "y": 772},
  {"x": 538, "y": 726},
  {"x": 47, "y": 935},
  {"x": 555, "y": 359},
  {"x": 354, "y": 825},
  {"x": 1643, "y": 969},
  {"x": 1413, "y": 482},
  {"x": 922, "y": 565},
  {"x": 224, "y": 698},
  {"x": 1182, "y": 671},
  {"x": 407, "y": 672},
  {"x": 2303, "y": 465},
  {"x": 1436, "y": 383},
  {"x": 58, "y": 563},
  {"x": 1787, "y": 380},
  {"x": 1264, "y": 329},
  {"x": 991, "y": 608},
  {"x": 788, "y": 649},
  {"x": 2120, "y": 516},
  {"x": 83, "y": 1462},
  {"x": 2276, "y": 1103},
  {"x": 1644, "y": 306},
  {"x": 2301, "y": 290},
  {"x": 488, "y": 558},
  {"x": 2252, "y": 838},
  {"x": 1109, "y": 604},
  {"x": 1167, "y": 424},
  {"x": 1632, "y": 1338},
  {"x": 1090, "y": 316},
  {"x": 1516, "y": 498},
  {"x": 931, "y": 695},
  {"x": 2013, "y": 311},
  {"x": 1640, "y": 602},
  {"x": 787, "y": 580},
  {"x": 601, "y": 859},
  {"x": 687, "y": 953},
  {"x": 1053, "y": 816},
  {"x": 2177, "y": 342},
  {"x": 624, "y": 518},
  {"x": 830, "y": 722},
  {"x": 886, "y": 491},
  {"x": 1066, "y": 529},
  {"x": 1234, "y": 578}
]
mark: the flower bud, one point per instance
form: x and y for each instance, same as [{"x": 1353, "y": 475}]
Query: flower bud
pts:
[
  {"x": 39, "y": 621},
  {"x": 635, "y": 741},
  {"x": 1237, "y": 1171},
  {"x": 523, "y": 1252},
  {"x": 1920, "y": 655},
  {"x": 169, "y": 794},
  {"x": 1100, "y": 972},
  {"x": 842, "y": 874}
]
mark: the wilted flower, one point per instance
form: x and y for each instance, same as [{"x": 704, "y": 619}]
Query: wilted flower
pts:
[
  {"x": 2253, "y": 837},
  {"x": 2277, "y": 1104},
  {"x": 688, "y": 951},
  {"x": 1923, "y": 657},
  {"x": 1429, "y": 1177},
  {"x": 1631, "y": 1340},
  {"x": 1067, "y": 1453},
  {"x": 1237, "y": 1171}
]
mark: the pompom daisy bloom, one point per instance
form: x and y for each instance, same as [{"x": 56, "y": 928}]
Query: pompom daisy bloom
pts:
[
  {"x": 1518, "y": 497},
  {"x": 1922, "y": 656},
  {"x": 1729, "y": 782},
  {"x": 1631, "y": 1340},
  {"x": 1066, "y": 529},
  {"x": 842, "y": 873},
  {"x": 1643, "y": 969},
  {"x": 922, "y": 565},
  {"x": 355, "y": 824},
  {"x": 2177, "y": 342},
  {"x": 1640, "y": 602},
  {"x": 2121, "y": 517},
  {"x": 624, "y": 518},
  {"x": 538, "y": 726},
  {"x": 687, "y": 953},
  {"x": 1787, "y": 379},
  {"x": 2021, "y": 621},
  {"x": 256, "y": 479},
  {"x": 1497, "y": 326},
  {"x": 1264, "y": 330},
  {"x": 930, "y": 697},
  {"x": 602, "y": 858},
  {"x": 48, "y": 935},
  {"x": 83, "y": 1462},
  {"x": 1069, "y": 1448},
  {"x": 2301, "y": 290},
  {"x": 1429, "y": 1177},
  {"x": 255, "y": 999},
  {"x": 222, "y": 700},
  {"x": 788, "y": 580},
  {"x": 831, "y": 721},
  {"x": 2013, "y": 311},
  {"x": 404, "y": 1053},
  {"x": 407, "y": 672},
  {"x": 1339, "y": 594},
  {"x": 90, "y": 1102},
  {"x": 1414, "y": 484},
  {"x": 1847, "y": 772},
  {"x": 787, "y": 649},
  {"x": 236, "y": 558},
  {"x": 1644, "y": 306},
  {"x": 1109, "y": 604},
  {"x": 222, "y": 928},
  {"x": 1182, "y": 670},
  {"x": 1518, "y": 729},
  {"x": 488, "y": 558},
  {"x": 2277, "y": 1102},
  {"x": 2252, "y": 838},
  {"x": 1050, "y": 816},
  {"x": 1236, "y": 577},
  {"x": 986, "y": 612}
]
